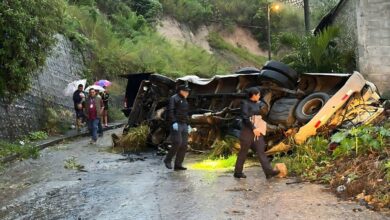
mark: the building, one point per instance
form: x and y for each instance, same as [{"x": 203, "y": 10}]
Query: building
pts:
[{"x": 365, "y": 26}]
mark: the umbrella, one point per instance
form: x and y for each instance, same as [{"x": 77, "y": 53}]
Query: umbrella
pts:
[
  {"x": 96, "y": 87},
  {"x": 71, "y": 87},
  {"x": 103, "y": 82}
]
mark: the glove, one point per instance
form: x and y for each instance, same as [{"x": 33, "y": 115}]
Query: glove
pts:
[
  {"x": 175, "y": 126},
  {"x": 189, "y": 129}
]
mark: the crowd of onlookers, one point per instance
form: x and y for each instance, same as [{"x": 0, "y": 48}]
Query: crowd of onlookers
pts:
[{"x": 91, "y": 109}]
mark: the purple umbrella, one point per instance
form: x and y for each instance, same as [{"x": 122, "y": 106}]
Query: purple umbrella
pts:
[{"x": 103, "y": 83}]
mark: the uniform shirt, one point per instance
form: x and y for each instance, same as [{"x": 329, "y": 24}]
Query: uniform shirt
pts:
[
  {"x": 178, "y": 109},
  {"x": 248, "y": 109}
]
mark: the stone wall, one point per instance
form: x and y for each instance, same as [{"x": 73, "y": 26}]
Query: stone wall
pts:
[
  {"x": 373, "y": 26},
  {"x": 28, "y": 113},
  {"x": 346, "y": 20}
]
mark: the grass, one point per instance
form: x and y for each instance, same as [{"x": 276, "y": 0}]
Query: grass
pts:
[
  {"x": 223, "y": 148},
  {"x": 226, "y": 164},
  {"x": 115, "y": 114},
  {"x": 23, "y": 150},
  {"x": 134, "y": 141}
]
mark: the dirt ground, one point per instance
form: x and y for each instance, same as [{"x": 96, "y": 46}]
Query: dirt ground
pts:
[{"x": 115, "y": 187}]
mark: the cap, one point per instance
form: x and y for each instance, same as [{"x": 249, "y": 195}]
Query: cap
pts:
[{"x": 183, "y": 87}]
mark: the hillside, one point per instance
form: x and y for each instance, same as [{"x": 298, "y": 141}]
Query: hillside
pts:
[{"x": 132, "y": 36}]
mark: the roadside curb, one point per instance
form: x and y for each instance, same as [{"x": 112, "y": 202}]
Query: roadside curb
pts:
[{"x": 44, "y": 144}]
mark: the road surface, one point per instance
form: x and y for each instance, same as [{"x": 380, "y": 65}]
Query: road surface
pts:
[{"x": 113, "y": 187}]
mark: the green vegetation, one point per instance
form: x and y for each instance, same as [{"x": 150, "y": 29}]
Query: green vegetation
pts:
[
  {"x": 124, "y": 43},
  {"x": 27, "y": 29},
  {"x": 57, "y": 121},
  {"x": 361, "y": 140},
  {"x": 359, "y": 160},
  {"x": 22, "y": 150},
  {"x": 225, "y": 147},
  {"x": 37, "y": 136},
  {"x": 318, "y": 53},
  {"x": 72, "y": 164},
  {"x": 115, "y": 114},
  {"x": 134, "y": 141}
]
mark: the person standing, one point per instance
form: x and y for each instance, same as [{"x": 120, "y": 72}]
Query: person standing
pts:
[
  {"x": 251, "y": 137},
  {"x": 78, "y": 99},
  {"x": 105, "y": 97},
  {"x": 178, "y": 117},
  {"x": 94, "y": 109}
]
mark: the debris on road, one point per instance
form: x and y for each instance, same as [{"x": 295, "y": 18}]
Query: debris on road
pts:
[{"x": 72, "y": 164}]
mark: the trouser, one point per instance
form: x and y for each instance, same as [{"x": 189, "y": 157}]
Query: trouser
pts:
[
  {"x": 100, "y": 127},
  {"x": 93, "y": 128},
  {"x": 179, "y": 145},
  {"x": 258, "y": 145}
]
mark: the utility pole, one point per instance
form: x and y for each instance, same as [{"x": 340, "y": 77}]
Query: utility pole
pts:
[
  {"x": 306, "y": 9},
  {"x": 269, "y": 30}
]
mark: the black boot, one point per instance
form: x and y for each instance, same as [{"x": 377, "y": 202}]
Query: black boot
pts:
[
  {"x": 272, "y": 174},
  {"x": 177, "y": 168},
  {"x": 239, "y": 175},
  {"x": 168, "y": 164}
]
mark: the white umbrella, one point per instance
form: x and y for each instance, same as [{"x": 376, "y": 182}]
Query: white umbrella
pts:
[
  {"x": 71, "y": 87},
  {"x": 96, "y": 87}
]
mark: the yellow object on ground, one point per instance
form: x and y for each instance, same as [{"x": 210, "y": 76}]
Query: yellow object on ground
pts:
[
  {"x": 283, "y": 170},
  {"x": 281, "y": 147}
]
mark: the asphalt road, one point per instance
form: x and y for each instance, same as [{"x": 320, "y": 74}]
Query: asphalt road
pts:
[{"x": 113, "y": 187}]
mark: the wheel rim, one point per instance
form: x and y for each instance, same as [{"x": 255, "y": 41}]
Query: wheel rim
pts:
[{"x": 312, "y": 107}]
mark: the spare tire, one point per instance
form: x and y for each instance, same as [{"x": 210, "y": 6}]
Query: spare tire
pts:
[
  {"x": 277, "y": 78},
  {"x": 310, "y": 106},
  {"x": 157, "y": 78},
  {"x": 248, "y": 70},
  {"x": 282, "y": 68}
]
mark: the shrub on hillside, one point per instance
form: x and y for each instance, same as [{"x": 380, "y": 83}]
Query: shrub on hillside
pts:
[{"x": 27, "y": 29}]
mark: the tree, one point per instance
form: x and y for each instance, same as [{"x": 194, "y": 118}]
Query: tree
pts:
[{"x": 27, "y": 29}]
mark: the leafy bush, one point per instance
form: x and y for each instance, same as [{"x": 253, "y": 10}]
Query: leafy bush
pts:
[
  {"x": 192, "y": 12},
  {"x": 318, "y": 53},
  {"x": 360, "y": 140},
  {"x": 27, "y": 29},
  {"x": 23, "y": 150},
  {"x": 37, "y": 136}
]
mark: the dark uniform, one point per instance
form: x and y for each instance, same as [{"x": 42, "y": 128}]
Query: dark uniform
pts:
[
  {"x": 247, "y": 138},
  {"x": 178, "y": 113},
  {"x": 77, "y": 100}
]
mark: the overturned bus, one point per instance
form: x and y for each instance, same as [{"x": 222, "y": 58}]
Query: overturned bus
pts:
[{"x": 297, "y": 105}]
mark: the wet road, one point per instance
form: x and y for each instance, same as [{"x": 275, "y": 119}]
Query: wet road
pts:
[{"x": 113, "y": 188}]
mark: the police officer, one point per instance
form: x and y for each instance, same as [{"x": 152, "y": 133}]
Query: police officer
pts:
[
  {"x": 250, "y": 136},
  {"x": 178, "y": 117}
]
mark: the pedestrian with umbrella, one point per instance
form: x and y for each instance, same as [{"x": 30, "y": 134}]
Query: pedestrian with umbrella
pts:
[
  {"x": 105, "y": 97},
  {"x": 78, "y": 100}
]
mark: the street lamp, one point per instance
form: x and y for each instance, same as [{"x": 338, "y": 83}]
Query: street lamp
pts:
[{"x": 270, "y": 7}]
